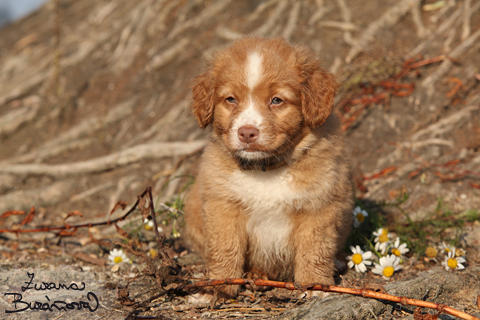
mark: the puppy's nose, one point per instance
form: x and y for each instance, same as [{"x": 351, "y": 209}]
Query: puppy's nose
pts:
[{"x": 248, "y": 134}]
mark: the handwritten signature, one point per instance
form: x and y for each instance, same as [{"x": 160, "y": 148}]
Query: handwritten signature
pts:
[
  {"x": 59, "y": 305},
  {"x": 51, "y": 306}
]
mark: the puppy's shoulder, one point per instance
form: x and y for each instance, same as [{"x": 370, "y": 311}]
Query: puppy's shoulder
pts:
[{"x": 216, "y": 165}]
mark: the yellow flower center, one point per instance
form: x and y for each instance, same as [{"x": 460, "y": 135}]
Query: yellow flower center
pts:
[
  {"x": 396, "y": 252},
  {"x": 357, "y": 258},
  {"x": 452, "y": 263},
  {"x": 383, "y": 237},
  {"x": 147, "y": 226},
  {"x": 153, "y": 253},
  {"x": 447, "y": 250},
  {"x": 431, "y": 252},
  {"x": 360, "y": 217},
  {"x": 388, "y": 271},
  {"x": 117, "y": 259}
]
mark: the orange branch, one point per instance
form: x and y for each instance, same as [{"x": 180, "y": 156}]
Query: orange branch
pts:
[
  {"x": 359, "y": 292},
  {"x": 425, "y": 62}
]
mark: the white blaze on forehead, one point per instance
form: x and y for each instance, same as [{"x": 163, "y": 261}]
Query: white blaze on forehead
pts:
[
  {"x": 253, "y": 69},
  {"x": 250, "y": 115}
]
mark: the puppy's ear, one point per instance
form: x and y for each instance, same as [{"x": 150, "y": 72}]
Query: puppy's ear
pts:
[
  {"x": 203, "y": 98},
  {"x": 318, "y": 93}
]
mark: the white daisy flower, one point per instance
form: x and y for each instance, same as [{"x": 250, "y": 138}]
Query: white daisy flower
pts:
[
  {"x": 446, "y": 248},
  {"x": 387, "y": 267},
  {"x": 399, "y": 249},
  {"x": 452, "y": 262},
  {"x": 382, "y": 240},
  {"x": 117, "y": 256},
  {"x": 359, "y": 216},
  {"x": 359, "y": 259},
  {"x": 149, "y": 225}
]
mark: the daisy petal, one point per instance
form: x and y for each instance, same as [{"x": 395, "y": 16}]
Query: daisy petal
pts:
[
  {"x": 367, "y": 255},
  {"x": 362, "y": 267}
]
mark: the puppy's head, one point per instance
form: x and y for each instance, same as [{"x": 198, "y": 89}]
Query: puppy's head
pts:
[{"x": 262, "y": 95}]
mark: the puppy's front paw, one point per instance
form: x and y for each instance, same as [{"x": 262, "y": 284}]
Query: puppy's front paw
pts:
[
  {"x": 207, "y": 297},
  {"x": 202, "y": 297},
  {"x": 252, "y": 275}
]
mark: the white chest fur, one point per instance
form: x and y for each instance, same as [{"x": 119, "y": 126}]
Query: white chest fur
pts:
[{"x": 267, "y": 197}]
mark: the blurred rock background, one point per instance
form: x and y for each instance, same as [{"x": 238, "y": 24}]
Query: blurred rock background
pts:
[{"x": 95, "y": 94}]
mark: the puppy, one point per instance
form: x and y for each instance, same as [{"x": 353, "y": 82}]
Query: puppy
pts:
[{"x": 273, "y": 194}]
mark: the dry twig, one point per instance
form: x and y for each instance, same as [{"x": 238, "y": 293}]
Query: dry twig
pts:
[
  {"x": 359, "y": 292},
  {"x": 67, "y": 227}
]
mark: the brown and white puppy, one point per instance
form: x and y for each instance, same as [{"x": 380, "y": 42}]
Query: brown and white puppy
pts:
[{"x": 273, "y": 193}]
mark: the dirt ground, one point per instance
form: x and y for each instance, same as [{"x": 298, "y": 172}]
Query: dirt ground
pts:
[{"x": 94, "y": 108}]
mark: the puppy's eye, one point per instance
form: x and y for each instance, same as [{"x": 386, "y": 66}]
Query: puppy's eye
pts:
[
  {"x": 276, "y": 101},
  {"x": 231, "y": 100}
]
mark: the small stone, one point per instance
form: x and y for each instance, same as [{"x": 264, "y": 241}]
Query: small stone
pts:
[
  {"x": 115, "y": 268},
  {"x": 134, "y": 269}
]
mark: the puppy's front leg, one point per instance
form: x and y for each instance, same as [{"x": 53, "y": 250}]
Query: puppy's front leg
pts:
[
  {"x": 226, "y": 236},
  {"x": 316, "y": 243}
]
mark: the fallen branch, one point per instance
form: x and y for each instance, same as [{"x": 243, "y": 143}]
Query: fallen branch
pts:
[
  {"x": 74, "y": 227},
  {"x": 358, "y": 292},
  {"x": 66, "y": 227},
  {"x": 112, "y": 161}
]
